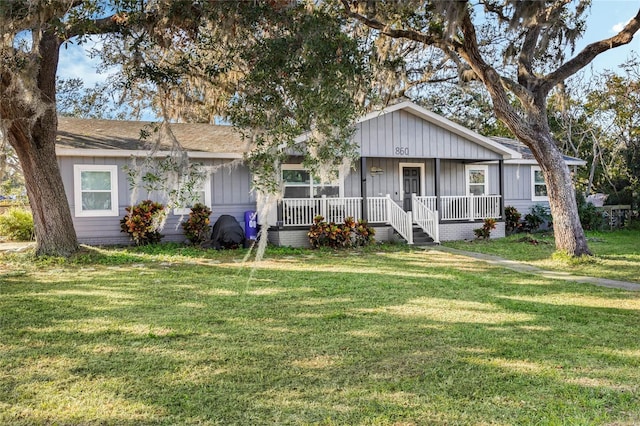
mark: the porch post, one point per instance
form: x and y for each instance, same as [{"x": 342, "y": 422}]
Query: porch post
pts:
[
  {"x": 363, "y": 188},
  {"x": 501, "y": 192},
  {"x": 436, "y": 181}
]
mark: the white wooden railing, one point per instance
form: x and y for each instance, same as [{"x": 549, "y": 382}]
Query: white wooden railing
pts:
[
  {"x": 462, "y": 207},
  {"x": 301, "y": 211},
  {"x": 425, "y": 217},
  {"x": 428, "y": 201},
  {"x": 400, "y": 220}
]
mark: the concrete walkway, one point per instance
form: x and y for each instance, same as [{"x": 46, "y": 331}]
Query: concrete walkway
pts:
[
  {"x": 530, "y": 269},
  {"x": 12, "y": 246}
]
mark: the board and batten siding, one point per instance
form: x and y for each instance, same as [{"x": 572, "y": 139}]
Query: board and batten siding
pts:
[
  {"x": 517, "y": 188},
  {"x": 452, "y": 178},
  {"x": 400, "y": 134},
  {"x": 230, "y": 188}
]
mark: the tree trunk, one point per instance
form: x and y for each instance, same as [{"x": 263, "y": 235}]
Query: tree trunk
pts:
[
  {"x": 568, "y": 232},
  {"x": 54, "y": 230},
  {"x": 34, "y": 142}
]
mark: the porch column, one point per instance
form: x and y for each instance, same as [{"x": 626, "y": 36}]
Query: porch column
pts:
[
  {"x": 501, "y": 191},
  {"x": 436, "y": 181},
  {"x": 363, "y": 187}
]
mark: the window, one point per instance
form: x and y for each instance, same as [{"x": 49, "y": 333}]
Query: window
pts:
[
  {"x": 95, "y": 190},
  {"x": 538, "y": 185},
  {"x": 477, "y": 180},
  {"x": 298, "y": 183},
  {"x": 203, "y": 196}
]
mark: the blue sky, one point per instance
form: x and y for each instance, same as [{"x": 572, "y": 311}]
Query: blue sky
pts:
[{"x": 606, "y": 17}]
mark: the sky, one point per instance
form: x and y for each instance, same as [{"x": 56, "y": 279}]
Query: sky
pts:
[{"x": 606, "y": 18}]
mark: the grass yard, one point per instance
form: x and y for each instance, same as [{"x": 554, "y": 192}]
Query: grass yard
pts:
[
  {"x": 617, "y": 253},
  {"x": 385, "y": 337}
]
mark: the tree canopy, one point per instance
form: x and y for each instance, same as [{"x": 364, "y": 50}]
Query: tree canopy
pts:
[{"x": 516, "y": 49}]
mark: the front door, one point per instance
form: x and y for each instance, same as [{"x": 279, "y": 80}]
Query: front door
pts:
[{"x": 410, "y": 185}]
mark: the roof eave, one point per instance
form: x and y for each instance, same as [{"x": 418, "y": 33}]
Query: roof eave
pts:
[
  {"x": 507, "y": 153},
  {"x": 124, "y": 153}
]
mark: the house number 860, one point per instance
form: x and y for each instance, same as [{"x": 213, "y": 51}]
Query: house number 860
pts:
[{"x": 402, "y": 151}]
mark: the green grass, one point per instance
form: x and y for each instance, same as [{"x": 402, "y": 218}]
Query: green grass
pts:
[
  {"x": 616, "y": 253},
  {"x": 391, "y": 336}
]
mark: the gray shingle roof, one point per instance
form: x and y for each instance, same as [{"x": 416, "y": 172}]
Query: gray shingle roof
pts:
[
  {"x": 125, "y": 135},
  {"x": 518, "y": 146}
]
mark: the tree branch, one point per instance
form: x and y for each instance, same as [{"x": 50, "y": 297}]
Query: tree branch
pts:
[
  {"x": 587, "y": 54},
  {"x": 393, "y": 32}
]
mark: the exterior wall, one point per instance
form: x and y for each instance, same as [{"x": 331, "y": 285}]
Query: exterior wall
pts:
[
  {"x": 403, "y": 135},
  {"x": 299, "y": 238},
  {"x": 464, "y": 230},
  {"x": 452, "y": 178},
  {"x": 517, "y": 188},
  {"x": 230, "y": 195},
  {"x": 448, "y": 232}
]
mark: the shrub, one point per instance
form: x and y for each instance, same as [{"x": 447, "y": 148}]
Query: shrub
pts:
[
  {"x": 142, "y": 222},
  {"x": 347, "y": 234},
  {"x": 197, "y": 228},
  {"x": 364, "y": 234},
  {"x": 485, "y": 232},
  {"x": 538, "y": 216},
  {"x": 591, "y": 218},
  {"x": 17, "y": 224},
  {"x": 512, "y": 219}
]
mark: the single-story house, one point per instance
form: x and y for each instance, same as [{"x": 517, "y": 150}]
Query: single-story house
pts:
[{"x": 419, "y": 176}]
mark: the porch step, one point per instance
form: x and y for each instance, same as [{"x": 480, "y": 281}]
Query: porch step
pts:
[{"x": 420, "y": 238}]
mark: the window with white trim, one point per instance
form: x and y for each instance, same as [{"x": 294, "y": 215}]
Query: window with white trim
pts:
[
  {"x": 201, "y": 195},
  {"x": 298, "y": 183},
  {"x": 538, "y": 185},
  {"x": 95, "y": 190},
  {"x": 477, "y": 179}
]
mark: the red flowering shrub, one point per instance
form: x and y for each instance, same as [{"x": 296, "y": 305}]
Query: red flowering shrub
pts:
[{"x": 142, "y": 221}]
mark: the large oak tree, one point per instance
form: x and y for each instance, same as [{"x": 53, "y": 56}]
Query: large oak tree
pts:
[{"x": 532, "y": 37}]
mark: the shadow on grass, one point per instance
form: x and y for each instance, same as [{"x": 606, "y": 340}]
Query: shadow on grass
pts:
[{"x": 413, "y": 337}]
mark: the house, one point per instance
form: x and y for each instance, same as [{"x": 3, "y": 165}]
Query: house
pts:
[{"x": 418, "y": 175}]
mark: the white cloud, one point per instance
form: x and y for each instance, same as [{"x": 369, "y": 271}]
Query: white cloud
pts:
[{"x": 619, "y": 26}]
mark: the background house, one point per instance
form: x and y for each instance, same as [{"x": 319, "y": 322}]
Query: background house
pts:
[{"x": 420, "y": 177}]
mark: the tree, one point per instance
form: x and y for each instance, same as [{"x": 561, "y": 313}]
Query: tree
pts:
[
  {"x": 32, "y": 33},
  {"x": 532, "y": 37},
  {"x": 204, "y": 55}
]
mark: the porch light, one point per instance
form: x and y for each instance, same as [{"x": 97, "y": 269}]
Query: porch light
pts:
[{"x": 376, "y": 171}]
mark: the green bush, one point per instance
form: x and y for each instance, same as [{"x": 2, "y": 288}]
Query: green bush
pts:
[
  {"x": 141, "y": 222},
  {"x": 344, "y": 235},
  {"x": 485, "y": 232},
  {"x": 590, "y": 217},
  {"x": 17, "y": 224},
  {"x": 512, "y": 219},
  {"x": 538, "y": 216},
  {"x": 197, "y": 228}
]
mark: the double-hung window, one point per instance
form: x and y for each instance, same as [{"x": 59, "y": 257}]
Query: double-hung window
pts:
[
  {"x": 477, "y": 179},
  {"x": 298, "y": 183},
  {"x": 200, "y": 195},
  {"x": 95, "y": 190},
  {"x": 538, "y": 185}
]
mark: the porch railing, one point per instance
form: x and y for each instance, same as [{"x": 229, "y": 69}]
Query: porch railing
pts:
[
  {"x": 462, "y": 207},
  {"x": 301, "y": 211},
  {"x": 425, "y": 217}
]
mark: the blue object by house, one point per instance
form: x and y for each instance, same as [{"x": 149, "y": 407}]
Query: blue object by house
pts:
[{"x": 251, "y": 225}]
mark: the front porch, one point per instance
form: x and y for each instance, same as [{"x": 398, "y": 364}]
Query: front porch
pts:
[{"x": 429, "y": 213}]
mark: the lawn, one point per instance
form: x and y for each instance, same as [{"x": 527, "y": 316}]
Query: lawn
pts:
[
  {"x": 616, "y": 253},
  {"x": 383, "y": 337}
]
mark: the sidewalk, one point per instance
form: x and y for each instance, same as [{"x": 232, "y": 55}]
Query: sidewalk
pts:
[
  {"x": 13, "y": 246},
  {"x": 530, "y": 269}
]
